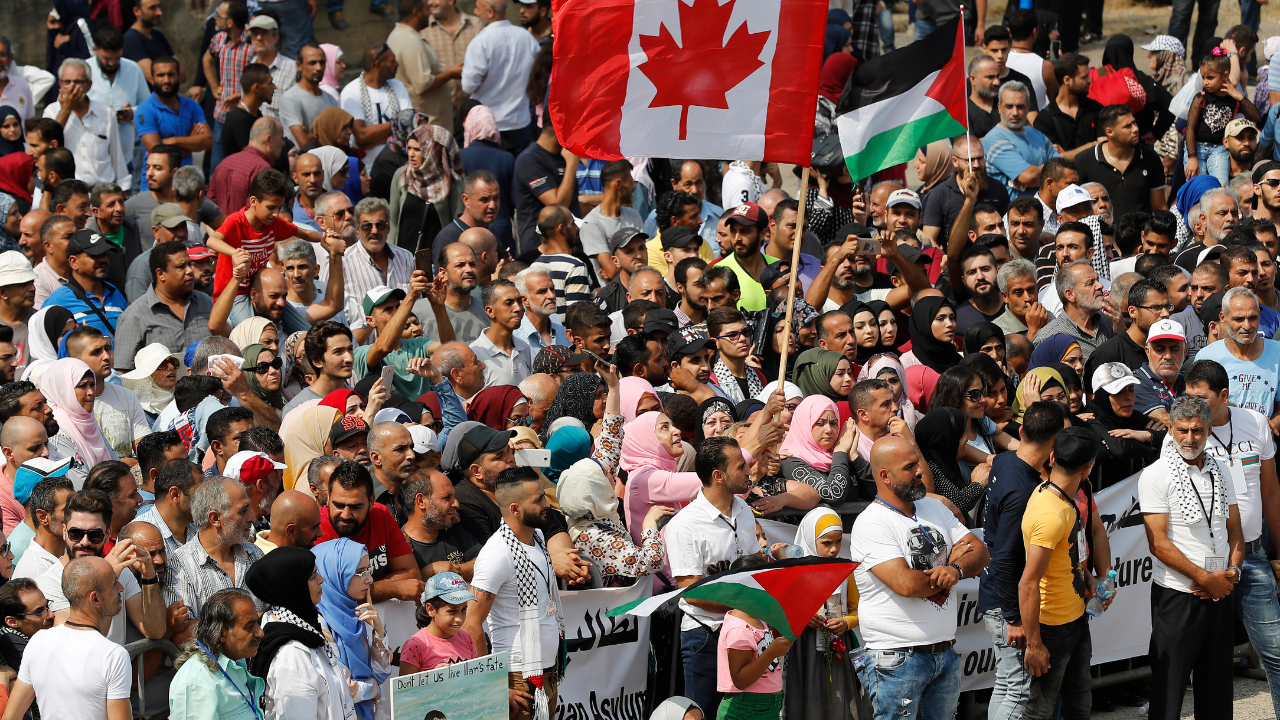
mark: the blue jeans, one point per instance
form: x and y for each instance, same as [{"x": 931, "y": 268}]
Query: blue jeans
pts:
[
  {"x": 1256, "y": 604},
  {"x": 885, "y": 17},
  {"x": 923, "y": 28},
  {"x": 1250, "y": 13},
  {"x": 294, "y": 320},
  {"x": 215, "y": 153},
  {"x": 296, "y": 27},
  {"x": 1013, "y": 684},
  {"x": 698, "y": 650},
  {"x": 909, "y": 685},
  {"x": 1214, "y": 160}
]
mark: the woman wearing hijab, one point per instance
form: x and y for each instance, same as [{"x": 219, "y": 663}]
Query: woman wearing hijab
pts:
[
  {"x": 715, "y": 415},
  {"x": 347, "y": 608},
  {"x": 1042, "y": 383},
  {"x": 578, "y": 397},
  {"x": 345, "y": 400},
  {"x": 677, "y": 708},
  {"x": 426, "y": 193},
  {"x": 1188, "y": 197},
  {"x": 334, "y": 67},
  {"x": 590, "y": 506},
  {"x": 836, "y": 69},
  {"x": 333, "y": 163},
  {"x": 297, "y": 655},
  {"x": 866, "y": 330},
  {"x": 10, "y": 223},
  {"x": 502, "y": 407},
  {"x": 827, "y": 373},
  {"x": 940, "y": 436},
  {"x": 333, "y": 128},
  {"x": 776, "y": 321},
  {"x": 816, "y": 450},
  {"x": 1075, "y": 390},
  {"x": 1126, "y": 445},
  {"x": 650, "y": 447},
  {"x": 1058, "y": 348},
  {"x": 69, "y": 386},
  {"x": 933, "y": 165},
  {"x": 890, "y": 338},
  {"x": 396, "y": 154},
  {"x": 306, "y": 439},
  {"x": 986, "y": 338},
  {"x": 1154, "y": 116},
  {"x": 262, "y": 374},
  {"x": 886, "y": 367},
  {"x": 17, "y": 177},
  {"x": 818, "y": 686},
  {"x": 11, "y": 131},
  {"x": 567, "y": 446},
  {"x": 257, "y": 330},
  {"x": 638, "y": 397},
  {"x": 933, "y": 329}
]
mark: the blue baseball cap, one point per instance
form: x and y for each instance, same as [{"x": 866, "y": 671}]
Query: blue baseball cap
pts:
[
  {"x": 35, "y": 470},
  {"x": 449, "y": 587}
]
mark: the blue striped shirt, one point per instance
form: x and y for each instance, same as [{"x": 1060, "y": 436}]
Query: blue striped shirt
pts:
[{"x": 112, "y": 305}]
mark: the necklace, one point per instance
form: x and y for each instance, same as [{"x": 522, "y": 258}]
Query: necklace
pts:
[
  {"x": 928, "y": 538},
  {"x": 1231, "y": 439},
  {"x": 80, "y": 625}
]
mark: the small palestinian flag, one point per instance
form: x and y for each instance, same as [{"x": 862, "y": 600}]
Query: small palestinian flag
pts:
[
  {"x": 902, "y": 101},
  {"x": 785, "y": 594}
]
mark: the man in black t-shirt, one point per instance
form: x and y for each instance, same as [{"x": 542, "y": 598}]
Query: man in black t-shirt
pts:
[
  {"x": 541, "y": 179},
  {"x": 143, "y": 41},
  {"x": 439, "y": 544}
]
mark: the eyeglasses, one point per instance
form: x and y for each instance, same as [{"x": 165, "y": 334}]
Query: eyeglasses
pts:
[
  {"x": 263, "y": 368},
  {"x": 382, "y": 226},
  {"x": 976, "y": 395},
  {"x": 734, "y": 335},
  {"x": 44, "y": 610},
  {"x": 1270, "y": 182},
  {"x": 367, "y": 573},
  {"x": 96, "y": 535},
  {"x": 1155, "y": 308}
]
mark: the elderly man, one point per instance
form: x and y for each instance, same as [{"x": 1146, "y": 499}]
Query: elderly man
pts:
[
  {"x": 147, "y": 539},
  {"x": 1160, "y": 378},
  {"x": 230, "y": 630},
  {"x": 106, "y": 203},
  {"x": 221, "y": 551},
  {"x": 295, "y": 522},
  {"x": 1191, "y": 633},
  {"x": 1251, "y": 360},
  {"x": 372, "y": 261},
  {"x": 1016, "y": 154},
  {"x": 1243, "y": 270},
  {"x": 540, "y": 327},
  {"x": 90, "y": 128},
  {"x": 1023, "y": 312},
  {"x": 495, "y": 71},
  {"x": 1075, "y": 241},
  {"x": 540, "y": 389},
  {"x": 1218, "y": 215},
  {"x": 335, "y": 212},
  {"x": 1080, "y": 292},
  {"x": 99, "y": 684}
]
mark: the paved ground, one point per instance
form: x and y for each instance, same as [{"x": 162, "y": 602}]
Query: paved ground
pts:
[{"x": 1252, "y": 702}]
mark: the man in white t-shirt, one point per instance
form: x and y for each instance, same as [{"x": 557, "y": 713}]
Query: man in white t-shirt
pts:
[
  {"x": 115, "y": 407},
  {"x": 911, "y": 551},
  {"x": 96, "y": 684},
  {"x": 1189, "y": 506},
  {"x": 516, "y": 599},
  {"x": 1242, "y": 440},
  {"x": 374, "y": 99}
]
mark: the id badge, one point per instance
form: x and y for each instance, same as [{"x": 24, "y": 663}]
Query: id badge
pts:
[
  {"x": 1237, "y": 479},
  {"x": 1215, "y": 563},
  {"x": 551, "y": 608}
]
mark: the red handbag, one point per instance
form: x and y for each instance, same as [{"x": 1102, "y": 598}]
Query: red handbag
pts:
[{"x": 1117, "y": 87}]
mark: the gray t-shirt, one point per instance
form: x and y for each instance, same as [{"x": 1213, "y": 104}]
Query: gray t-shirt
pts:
[
  {"x": 139, "y": 208},
  {"x": 299, "y": 107},
  {"x": 596, "y": 229},
  {"x": 467, "y": 324},
  {"x": 306, "y": 394}
]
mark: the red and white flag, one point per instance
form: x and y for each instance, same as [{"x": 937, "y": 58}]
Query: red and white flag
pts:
[{"x": 734, "y": 79}]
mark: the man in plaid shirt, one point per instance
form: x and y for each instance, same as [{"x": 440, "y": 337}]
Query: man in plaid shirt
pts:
[{"x": 229, "y": 52}]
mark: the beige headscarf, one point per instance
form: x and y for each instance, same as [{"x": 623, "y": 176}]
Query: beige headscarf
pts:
[
  {"x": 937, "y": 163},
  {"x": 304, "y": 441},
  {"x": 249, "y": 332},
  {"x": 587, "y": 496}
]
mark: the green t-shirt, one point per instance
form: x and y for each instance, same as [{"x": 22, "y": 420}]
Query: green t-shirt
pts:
[
  {"x": 116, "y": 238},
  {"x": 407, "y": 384}
]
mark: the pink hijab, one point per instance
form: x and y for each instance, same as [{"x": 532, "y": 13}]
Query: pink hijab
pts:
[
  {"x": 799, "y": 441},
  {"x": 641, "y": 447},
  {"x": 331, "y": 54},
  {"x": 632, "y": 391},
  {"x": 479, "y": 125},
  {"x": 59, "y": 388}
]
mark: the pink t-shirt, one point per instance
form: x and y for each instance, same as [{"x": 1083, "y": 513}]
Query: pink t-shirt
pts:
[
  {"x": 425, "y": 651},
  {"x": 738, "y": 634}
]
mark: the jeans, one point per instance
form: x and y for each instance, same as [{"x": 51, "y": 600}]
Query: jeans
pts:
[
  {"x": 1206, "y": 25},
  {"x": 698, "y": 650},
  {"x": 1013, "y": 684},
  {"x": 1214, "y": 160},
  {"x": 1256, "y": 604},
  {"x": 294, "y": 320},
  {"x": 923, "y": 28},
  {"x": 215, "y": 153},
  {"x": 885, "y": 18},
  {"x": 909, "y": 684},
  {"x": 296, "y": 27},
  {"x": 1070, "y": 650},
  {"x": 1250, "y": 14}
]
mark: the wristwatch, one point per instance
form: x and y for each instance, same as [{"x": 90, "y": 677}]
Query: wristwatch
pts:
[
  {"x": 957, "y": 567},
  {"x": 149, "y": 581},
  {"x": 1239, "y": 573}
]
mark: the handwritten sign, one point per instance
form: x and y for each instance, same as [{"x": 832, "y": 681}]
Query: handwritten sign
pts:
[{"x": 472, "y": 690}]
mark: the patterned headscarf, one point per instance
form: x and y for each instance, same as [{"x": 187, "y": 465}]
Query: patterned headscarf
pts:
[
  {"x": 402, "y": 127},
  {"x": 441, "y": 165},
  {"x": 576, "y": 398}
]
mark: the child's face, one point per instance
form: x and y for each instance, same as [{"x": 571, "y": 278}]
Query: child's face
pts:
[
  {"x": 448, "y": 619},
  {"x": 764, "y": 543},
  {"x": 11, "y": 130},
  {"x": 1213, "y": 80},
  {"x": 265, "y": 210},
  {"x": 828, "y": 545}
]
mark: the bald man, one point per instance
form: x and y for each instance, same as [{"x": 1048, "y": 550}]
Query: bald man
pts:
[
  {"x": 295, "y": 522},
  {"x": 21, "y": 438},
  {"x": 179, "y": 626},
  {"x": 912, "y": 551},
  {"x": 485, "y": 246},
  {"x": 570, "y": 274},
  {"x": 391, "y": 454}
]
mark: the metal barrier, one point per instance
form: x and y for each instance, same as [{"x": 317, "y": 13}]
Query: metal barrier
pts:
[{"x": 135, "y": 650}]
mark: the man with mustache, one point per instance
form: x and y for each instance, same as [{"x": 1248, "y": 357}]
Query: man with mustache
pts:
[
  {"x": 1192, "y": 517},
  {"x": 1251, "y": 360},
  {"x": 231, "y": 623},
  {"x": 1016, "y": 153},
  {"x": 439, "y": 543},
  {"x": 221, "y": 551},
  {"x": 1146, "y": 304},
  {"x": 170, "y": 118},
  {"x": 1160, "y": 379},
  {"x": 945, "y": 200},
  {"x": 119, "y": 84},
  {"x": 984, "y": 79}
]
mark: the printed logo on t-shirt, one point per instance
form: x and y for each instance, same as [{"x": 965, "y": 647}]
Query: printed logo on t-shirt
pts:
[
  {"x": 764, "y": 644},
  {"x": 378, "y": 561},
  {"x": 925, "y": 552}
]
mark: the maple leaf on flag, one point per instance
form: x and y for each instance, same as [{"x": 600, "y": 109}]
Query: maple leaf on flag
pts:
[{"x": 705, "y": 68}]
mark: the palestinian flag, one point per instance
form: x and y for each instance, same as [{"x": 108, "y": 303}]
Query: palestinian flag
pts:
[
  {"x": 785, "y": 594},
  {"x": 898, "y": 103}
]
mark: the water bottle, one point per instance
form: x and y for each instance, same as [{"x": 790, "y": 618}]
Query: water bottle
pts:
[
  {"x": 1105, "y": 588},
  {"x": 794, "y": 551}
]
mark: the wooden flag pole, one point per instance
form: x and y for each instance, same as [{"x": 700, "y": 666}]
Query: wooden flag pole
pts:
[{"x": 795, "y": 273}]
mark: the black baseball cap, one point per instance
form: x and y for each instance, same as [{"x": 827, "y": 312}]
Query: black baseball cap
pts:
[
  {"x": 686, "y": 342},
  {"x": 1211, "y": 309},
  {"x": 1074, "y": 448},
  {"x": 347, "y": 426},
  {"x": 856, "y": 229},
  {"x": 912, "y": 255},
  {"x": 480, "y": 440},
  {"x": 88, "y": 241},
  {"x": 679, "y": 236},
  {"x": 1262, "y": 170},
  {"x": 623, "y": 236},
  {"x": 774, "y": 272},
  {"x": 660, "y": 320}
]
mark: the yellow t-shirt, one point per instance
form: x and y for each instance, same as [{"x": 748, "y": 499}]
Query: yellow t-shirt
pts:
[
  {"x": 1050, "y": 522},
  {"x": 659, "y": 263}
]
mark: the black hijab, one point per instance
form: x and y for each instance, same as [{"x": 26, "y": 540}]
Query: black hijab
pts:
[
  {"x": 772, "y": 358},
  {"x": 939, "y": 435},
  {"x": 853, "y": 309},
  {"x": 930, "y": 351},
  {"x": 978, "y": 334},
  {"x": 1119, "y": 54},
  {"x": 8, "y": 147},
  {"x": 576, "y": 398},
  {"x": 279, "y": 580},
  {"x": 54, "y": 321},
  {"x": 709, "y": 406},
  {"x": 1106, "y": 416}
]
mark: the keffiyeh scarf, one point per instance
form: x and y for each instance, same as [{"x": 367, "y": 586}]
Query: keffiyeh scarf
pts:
[
  {"x": 729, "y": 384},
  {"x": 531, "y": 664},
  {"x": 1186, "y": 495},
  {"x": 366, "y": 105}
]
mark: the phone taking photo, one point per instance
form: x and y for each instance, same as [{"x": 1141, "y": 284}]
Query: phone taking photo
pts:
[
  {"x": 422, "y": 259},
  {"x": 869, "y": 246},
  {"x": 388, "y": 373}
]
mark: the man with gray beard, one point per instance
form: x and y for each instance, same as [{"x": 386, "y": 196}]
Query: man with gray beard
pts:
[
  {"x": 220, "y": 553},
  {"x": 1250, "y": 360},
  {"x": 1016, "y": 153},
  {"x": 439, "y": 543},
  {"x": 1189, "y": 508},
  {"x": 1082, "y": 318}
]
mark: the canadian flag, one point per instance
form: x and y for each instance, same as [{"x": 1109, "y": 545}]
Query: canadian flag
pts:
[{"x": 734, "y": 79}]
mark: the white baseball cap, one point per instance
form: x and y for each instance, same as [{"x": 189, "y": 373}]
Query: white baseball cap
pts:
[
  {"x": 15, "y": 269},
  {"x": 1113, "y": 377},
  {"x": 899, "y": 197},
  {"x": 1166, "y": 330},
  {"x": 1072, "y": 195},
  {"x": 424, "y": 439}
]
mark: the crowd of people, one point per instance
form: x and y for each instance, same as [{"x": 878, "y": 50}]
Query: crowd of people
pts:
[{"x": 253, "y": 409}]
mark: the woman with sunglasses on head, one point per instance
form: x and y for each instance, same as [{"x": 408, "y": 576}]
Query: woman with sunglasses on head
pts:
[{"x": 346, "y": 604}]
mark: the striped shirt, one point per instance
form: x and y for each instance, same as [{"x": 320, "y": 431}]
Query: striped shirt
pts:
[
  {"x": 360, "y": 275},
  {"x": 111, "y": 304},
  {"x": 196, "y": 576},
  {"x": 570, "y": 278},
  {"x": 232, "y": 59}
]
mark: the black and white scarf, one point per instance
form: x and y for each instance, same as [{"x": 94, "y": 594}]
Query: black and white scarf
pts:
[
  {"x": 528, "y": 579},
  {"x": 366, "y": 105},
  {"x": 1186, "y": 496},
  {"x": 729, "y": 383}
]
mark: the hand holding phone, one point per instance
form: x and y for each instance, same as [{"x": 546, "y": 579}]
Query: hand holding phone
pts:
[{"x": 388, "y": 374}]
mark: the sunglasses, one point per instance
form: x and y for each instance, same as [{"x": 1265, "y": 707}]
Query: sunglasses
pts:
[
  {"x": 96, "y": 535},
  {"x": 1270, "y": 182},
  {"x": 382, "y": 226},
  {"x": 514, "y": 421},
  {"x": 976, "y": 395},
  {"x": 263, "y": 368}
]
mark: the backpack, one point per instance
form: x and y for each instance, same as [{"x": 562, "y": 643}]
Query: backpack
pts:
[{"x": 1117, "y": 87}]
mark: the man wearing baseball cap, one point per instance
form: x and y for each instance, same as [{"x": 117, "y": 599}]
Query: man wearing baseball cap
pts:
[
  {"x": 1240, "y": 138},
  {"x": 350, "y": 439},
  {"x": 746, "y": 224},
  {"x": 261, "y": 477},
  {"x": 692, "y": 354},
  {"x": 1160, "y": 379},
  {"x": 628, "y": 253},
  {"x": 87, "y": 294}
]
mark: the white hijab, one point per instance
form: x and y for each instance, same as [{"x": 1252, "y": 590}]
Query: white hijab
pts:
[{"x": 586, "y": 496}]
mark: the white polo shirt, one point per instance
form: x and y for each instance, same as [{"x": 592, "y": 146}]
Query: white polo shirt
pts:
[
  {"x": 702, "y": 541},
  {"x": 499, "y": 367},
  {"x": 1158, "y": 492},
  {"x": 1251, "y": 443}
]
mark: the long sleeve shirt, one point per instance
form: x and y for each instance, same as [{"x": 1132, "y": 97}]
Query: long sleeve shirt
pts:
[
  {"x": 609, "y": 546},
  {"x": 495, "y": 72},
  {"x": 832, "y": 486},
  {"x": 418, "y": 69},
  {"x": 94, "y": 142}
]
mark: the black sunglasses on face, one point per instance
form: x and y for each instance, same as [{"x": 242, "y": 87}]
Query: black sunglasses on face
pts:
[
  {"x": 976, "y": 395},
  {"x": 263, "y": 368},
  {"x": 96, "y": 536},
  {"x": 1270, "y": 182},
  {"x": 382, "y": 226}
]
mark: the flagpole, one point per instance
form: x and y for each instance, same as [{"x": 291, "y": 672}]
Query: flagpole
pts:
[
  {"x": 796, "y": 239},
  {"x": 968, "y": 143}
]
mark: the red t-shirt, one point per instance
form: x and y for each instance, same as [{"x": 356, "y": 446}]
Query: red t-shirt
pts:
[
  {"x": 380, "y": 535},
  {"x": 425, "y": 651},
  {"x": 238, "y": 233}
]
